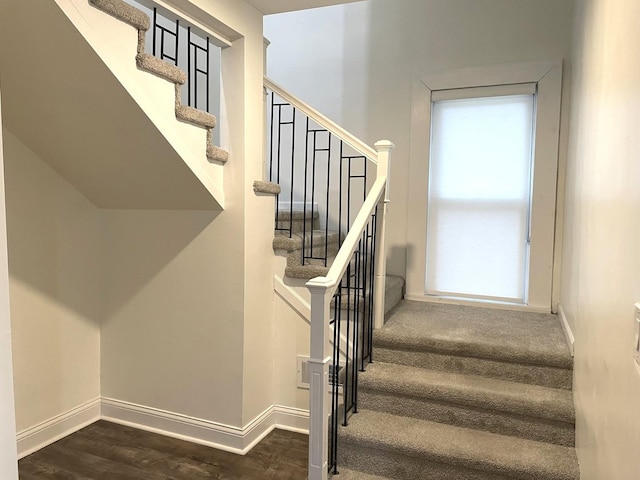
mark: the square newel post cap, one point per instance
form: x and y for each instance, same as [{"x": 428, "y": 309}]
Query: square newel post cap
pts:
[
  {"x": 384, "y": 146},
  {"x": 320, "y": 284}
]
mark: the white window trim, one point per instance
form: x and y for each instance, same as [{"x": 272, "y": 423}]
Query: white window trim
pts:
[{"x": 548, "y": 77}]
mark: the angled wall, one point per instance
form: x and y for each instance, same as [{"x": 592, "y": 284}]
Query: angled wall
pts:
[{"x": 55, "y": 271}]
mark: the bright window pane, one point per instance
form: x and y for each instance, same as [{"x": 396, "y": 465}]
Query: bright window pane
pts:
[{"x": 479, "y": 196}]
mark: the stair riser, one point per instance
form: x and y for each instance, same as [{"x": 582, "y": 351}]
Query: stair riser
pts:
[
  {"x": 532, "y": 374},
  {"x": 294, "y": 258},
  {"x": 402, "y": 467},
  {"x": 559, "y": 433},
  {"x": 297, "y": 225}
]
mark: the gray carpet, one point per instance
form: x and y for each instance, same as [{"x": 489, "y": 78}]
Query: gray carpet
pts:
[{"x": 440, "y": 400}]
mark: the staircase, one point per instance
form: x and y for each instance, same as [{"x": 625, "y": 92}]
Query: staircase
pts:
[
  {"x": 463, "y": 393},
  {"x": 140, "y": 21}
]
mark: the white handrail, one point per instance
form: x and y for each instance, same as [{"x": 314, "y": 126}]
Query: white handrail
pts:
[
  {"x": 350, "y": 244},
  {"x": 323, "y": 121}
]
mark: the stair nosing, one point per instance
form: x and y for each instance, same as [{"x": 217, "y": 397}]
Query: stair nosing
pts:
[
  {"x": 195, "y": 116},
  {"x": 466, "y": 349},
  {"x": 161, "y": 68},
  {"x": 417, "y": 438},
  {"x": 124, "y": 12},
  {"x": 442, "y": 388}
]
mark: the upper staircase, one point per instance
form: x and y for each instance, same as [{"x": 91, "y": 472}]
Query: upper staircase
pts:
[{"x": 67, "y": 89}]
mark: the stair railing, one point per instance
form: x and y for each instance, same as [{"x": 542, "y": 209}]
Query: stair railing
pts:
[
  {"x": 361, "y": 258},
  {"x": 324, "y": 173},
  {"x": 326, "y": 181},
  {"x": 175, "y": 39}
]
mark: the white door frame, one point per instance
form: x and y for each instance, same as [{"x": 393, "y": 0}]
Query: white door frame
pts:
[{"x": 548, "y": 77}]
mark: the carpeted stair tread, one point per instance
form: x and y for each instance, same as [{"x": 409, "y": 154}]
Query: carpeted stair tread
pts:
[
  {"x": 161, "y": 68},
  {"x": 346, "y": 474},
  {"x": 553, "y": 377},
  {"x": 266, "y": 188},
  {"x": 124, "y": 12},
  {"x": 283, "y": 242},
  {"x": 306, "y": 272},
  {"x": 474, "y": 391},
  {"x": 297, "y": 215},
  {"x": 503, "y": 335},
  {"x": 217, "y": 154},
  {"x": 494, "y": 454},
  {"x": 195, "y": 116}
]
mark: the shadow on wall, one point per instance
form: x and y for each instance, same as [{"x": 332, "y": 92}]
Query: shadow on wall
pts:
[
  {"x": 63, "y": 247},
  {"x": 161, "y": 247}
]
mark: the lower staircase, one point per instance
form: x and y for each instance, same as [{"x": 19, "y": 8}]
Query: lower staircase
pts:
[{"x": 463, "y": 393}]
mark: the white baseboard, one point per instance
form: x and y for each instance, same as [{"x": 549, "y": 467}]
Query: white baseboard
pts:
[
  {"x": 566, "y": 329},
  {"x": 476, "y": 303},
  {"x": 291, "y": 419},
  {"x": 204, "y": 432},
  {"x": 52, "y": 430}
]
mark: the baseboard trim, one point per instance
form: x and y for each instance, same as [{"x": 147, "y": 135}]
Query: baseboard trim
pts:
[
  {"x": 192, "y": 429},
  {"x": 566, "y": 329},
  {"x": 52, "y": 430},
  {"x": 291, "y": 419},
  {"x": 476, "y": 303}
]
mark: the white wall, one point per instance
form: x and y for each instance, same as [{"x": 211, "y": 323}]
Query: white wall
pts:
[
  {"x": 55, "y": 267},
  {"x": 189, "y": 317},
  {"x": 8, "y": 453},
  {"x": 600, "y": 281},
  {"x": 170, "y": 310},
  {"x": 172, "y": 336},
  {"x": 355, "y": 64}
]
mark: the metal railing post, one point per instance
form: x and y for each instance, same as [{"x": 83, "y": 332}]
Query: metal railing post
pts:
[
  {"x": 384, "y": 148},
  {"x": 319, "y": 360}
]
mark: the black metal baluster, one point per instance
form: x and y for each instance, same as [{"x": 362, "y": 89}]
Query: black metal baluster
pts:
[
  {"x": 340, "y": 192},
  {"x": 306, "y": 184},
  {"x": 327, "y": 205},
  {"x": 365, "y": 310},
  {"x": 347, "y": 379},
  {"x": 356, "y": 328},
  {"x": 293, "y": 162},
  {"x": 193, "y": 69},
  {"x": 189, "y": 79},
  {"x": 374, "y": 248},
  {"x": 164, "y": 31},
  {"x": 155, "y": 22},
  {"x": 335, "y": 382},
  {"x": 313, "y": 192},
  {"x": 273, "y": 108}
]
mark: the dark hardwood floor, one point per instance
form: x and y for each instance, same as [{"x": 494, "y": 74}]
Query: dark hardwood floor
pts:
[{"x": 108, "y": 451}]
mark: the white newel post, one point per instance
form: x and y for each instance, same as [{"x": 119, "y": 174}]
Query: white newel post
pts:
[
  {"x": 320, "y": 356},
  {"x": 384, "y": 148}
]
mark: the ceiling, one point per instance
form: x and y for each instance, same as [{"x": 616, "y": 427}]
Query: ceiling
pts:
[{"x": 268, "y": 7}]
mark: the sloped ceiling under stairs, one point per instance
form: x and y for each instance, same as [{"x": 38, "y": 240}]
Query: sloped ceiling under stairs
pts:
[{"x": 61, "y": 100}]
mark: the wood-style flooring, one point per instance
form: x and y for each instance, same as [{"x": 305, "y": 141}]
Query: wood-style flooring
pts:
[{"x": 106, "y": 451}]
